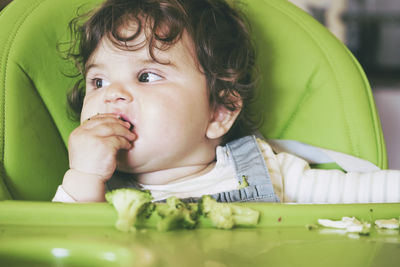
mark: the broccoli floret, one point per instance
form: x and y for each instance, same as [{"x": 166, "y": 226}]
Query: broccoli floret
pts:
[
  {"x": 130, "y": 203},
  {"x": 176, "y": 214},
  {"x": 226, "y": 215}
]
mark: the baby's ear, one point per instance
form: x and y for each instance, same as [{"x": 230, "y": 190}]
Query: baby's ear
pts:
[{"x": 222, "y": 119}]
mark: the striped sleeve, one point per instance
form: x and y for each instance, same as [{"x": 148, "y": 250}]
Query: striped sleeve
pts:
[{"x": 305, "y": 185}]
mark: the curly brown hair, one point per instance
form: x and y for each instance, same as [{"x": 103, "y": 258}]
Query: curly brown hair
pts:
[{"x": 220, "y": 34}]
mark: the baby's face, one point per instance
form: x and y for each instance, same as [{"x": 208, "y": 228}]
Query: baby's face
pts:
[{"x": 167, "y": 104}]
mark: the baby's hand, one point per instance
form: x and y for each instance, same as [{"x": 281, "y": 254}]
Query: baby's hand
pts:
[{"x": 93, "y": 146}]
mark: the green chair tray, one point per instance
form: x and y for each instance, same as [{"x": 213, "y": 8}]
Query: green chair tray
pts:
[{"x": 57, "y": 234}]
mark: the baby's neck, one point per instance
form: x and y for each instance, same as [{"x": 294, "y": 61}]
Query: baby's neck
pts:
[{"x": 173, "y": 175}]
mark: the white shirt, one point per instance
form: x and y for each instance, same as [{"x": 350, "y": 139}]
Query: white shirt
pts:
[{"x": 292, "y": 178}]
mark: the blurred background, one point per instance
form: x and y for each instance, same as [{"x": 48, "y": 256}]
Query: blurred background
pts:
[
  {"x": 3, "y": 3},
  {"x": 371, "y": 30}
]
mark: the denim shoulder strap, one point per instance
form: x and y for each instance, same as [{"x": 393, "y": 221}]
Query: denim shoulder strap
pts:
[{"x": 251, "y": 171}]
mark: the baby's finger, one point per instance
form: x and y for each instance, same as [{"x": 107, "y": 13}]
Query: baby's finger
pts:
[
  {"x": 113, "y": 129},
  {"x": 104, "y": 118},
  {"x": 120, "y": 142},
  {"x": 104, "y": 115}
]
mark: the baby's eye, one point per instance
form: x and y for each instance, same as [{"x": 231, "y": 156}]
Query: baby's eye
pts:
[
  {"x": 99, "y": 83},
  {"x": 147, "y": 77}
]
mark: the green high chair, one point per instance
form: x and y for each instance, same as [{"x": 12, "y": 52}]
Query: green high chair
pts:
[{"x": 311, "y": 90}]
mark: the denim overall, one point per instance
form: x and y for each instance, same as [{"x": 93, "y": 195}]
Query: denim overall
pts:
[
  {"x": 250, "y": 168},
  {"x": 249, "y": 165}
]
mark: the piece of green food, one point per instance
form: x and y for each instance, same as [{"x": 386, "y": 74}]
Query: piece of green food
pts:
[
  {"x": 226, "y": 215},
  {"x": 130, "y": 204},
  {"x": 243, "y": 183},
  {"x": 176, "y": 214}
]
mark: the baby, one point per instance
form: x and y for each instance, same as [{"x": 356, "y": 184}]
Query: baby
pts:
[{"x": 168, "y": 84}]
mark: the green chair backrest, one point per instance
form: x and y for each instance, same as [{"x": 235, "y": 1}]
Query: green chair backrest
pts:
[{"x": 311, "y": 90}]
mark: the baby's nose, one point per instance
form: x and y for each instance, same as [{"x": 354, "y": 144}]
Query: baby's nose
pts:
[{"x": 116, "y": 93}]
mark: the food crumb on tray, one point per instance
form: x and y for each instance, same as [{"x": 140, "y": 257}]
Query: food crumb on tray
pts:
[
  {"x": 387, "y": 224},
  {"x": 350, "y": 224}
]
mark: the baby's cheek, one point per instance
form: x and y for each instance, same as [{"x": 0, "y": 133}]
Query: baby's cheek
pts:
[{"x": 85, "y": 112}]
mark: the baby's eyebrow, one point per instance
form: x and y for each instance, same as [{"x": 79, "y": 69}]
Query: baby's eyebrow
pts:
[
  {"x": 167, "y": 62},
  {"x": 93, "y": 65}
]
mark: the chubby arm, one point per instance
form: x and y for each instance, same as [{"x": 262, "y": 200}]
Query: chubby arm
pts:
[
  {"x": 83, "y": 187},
  {"x": 93, "y": 148}
]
